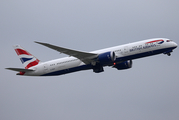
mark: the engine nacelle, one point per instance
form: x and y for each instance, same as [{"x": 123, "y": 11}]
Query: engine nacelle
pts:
[
  {"x": 124, "y": 65},
  {"x": 106, "y": 58}
]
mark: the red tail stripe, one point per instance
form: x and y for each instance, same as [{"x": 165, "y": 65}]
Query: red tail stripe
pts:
[
  {"x": 20, "y": 52},
  {"x": 34, "y": 63}
]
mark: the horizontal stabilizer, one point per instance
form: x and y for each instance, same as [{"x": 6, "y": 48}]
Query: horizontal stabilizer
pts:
[{"x": 20, "y": 69}]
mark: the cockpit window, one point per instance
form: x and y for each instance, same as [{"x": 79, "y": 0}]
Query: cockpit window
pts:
[{"x": 169, "y": 40}]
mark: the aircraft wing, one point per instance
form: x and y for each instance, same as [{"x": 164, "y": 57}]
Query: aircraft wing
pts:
[{"x": 83, "y": 56}]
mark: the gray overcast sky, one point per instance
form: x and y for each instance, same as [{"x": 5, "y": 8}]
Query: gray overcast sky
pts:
[{"x": 148, "y": 91}]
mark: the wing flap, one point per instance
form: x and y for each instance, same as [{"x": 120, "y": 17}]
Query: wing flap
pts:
[{"x": 83, "y": 56}]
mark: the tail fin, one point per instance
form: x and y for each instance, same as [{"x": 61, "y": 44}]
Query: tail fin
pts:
[{"x": 27, "y": 59}]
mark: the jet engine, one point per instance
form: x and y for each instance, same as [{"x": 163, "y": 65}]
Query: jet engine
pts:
[
  {"x": 124, "y": 65},
  {"x": 106, "y": 58},
  {"x": 102, "y": 60}
]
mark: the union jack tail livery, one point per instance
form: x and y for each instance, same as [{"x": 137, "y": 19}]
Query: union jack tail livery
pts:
[{"x": 27, "y": 59}]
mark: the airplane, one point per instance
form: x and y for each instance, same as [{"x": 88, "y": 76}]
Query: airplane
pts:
[{"x": 119, "y": 57}]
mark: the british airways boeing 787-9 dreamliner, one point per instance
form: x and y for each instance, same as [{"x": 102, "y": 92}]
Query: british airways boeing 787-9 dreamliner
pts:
[{"x": 119, "y": 57}]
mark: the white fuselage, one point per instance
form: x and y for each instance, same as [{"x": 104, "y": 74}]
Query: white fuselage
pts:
[{"x": 123, "y": 52}]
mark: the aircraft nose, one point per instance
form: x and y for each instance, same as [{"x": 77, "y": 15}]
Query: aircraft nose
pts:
[{"x": 175, "y": 45}]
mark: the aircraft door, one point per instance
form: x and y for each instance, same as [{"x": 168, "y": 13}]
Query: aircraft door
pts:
[
  {"x": 45, "y": 68},
  {"x": 126, "y": 50}
]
